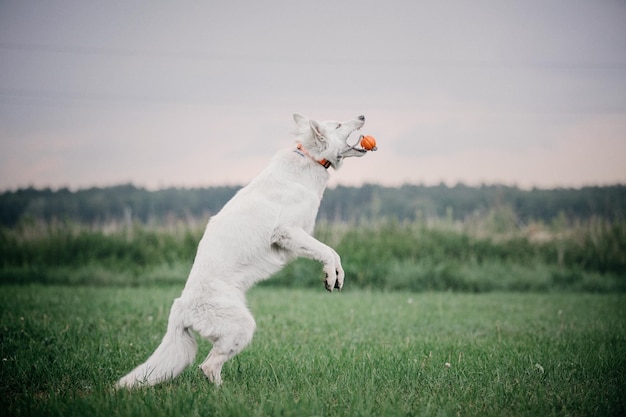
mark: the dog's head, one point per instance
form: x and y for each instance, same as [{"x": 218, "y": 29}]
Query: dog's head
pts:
[{"x": 328, "y": 140}]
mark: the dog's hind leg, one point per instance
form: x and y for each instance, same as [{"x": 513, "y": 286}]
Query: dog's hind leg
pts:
[
  {"x": 301, "y": 244},
  {"x": 231, "y": 330}
]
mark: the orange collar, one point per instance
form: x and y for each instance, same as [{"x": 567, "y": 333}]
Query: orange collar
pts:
[{"x": 302, "y": 151}]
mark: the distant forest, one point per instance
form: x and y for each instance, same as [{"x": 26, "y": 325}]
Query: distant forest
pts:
[{"x": 345, "y": 204}]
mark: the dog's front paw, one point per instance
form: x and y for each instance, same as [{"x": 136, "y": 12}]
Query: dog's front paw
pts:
[
  {"x": 340, "y": 276},
  {"x": 334, "y": 281},
  {"x": 329, "y": 284}
]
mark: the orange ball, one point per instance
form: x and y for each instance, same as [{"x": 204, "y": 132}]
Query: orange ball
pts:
[{"x": 368, "y": 143}]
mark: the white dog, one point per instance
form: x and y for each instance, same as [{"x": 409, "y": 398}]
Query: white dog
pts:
[{"x": 266, "y": 224}]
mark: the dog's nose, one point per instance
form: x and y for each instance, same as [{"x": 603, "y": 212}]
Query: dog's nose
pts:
[{"x": 361, "y": 117}]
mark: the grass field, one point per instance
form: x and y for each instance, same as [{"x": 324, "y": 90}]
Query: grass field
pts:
[{"x": 358, "y": 353}]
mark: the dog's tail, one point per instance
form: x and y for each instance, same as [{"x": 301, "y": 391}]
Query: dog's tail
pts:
[{"x": 176, "y": 351}]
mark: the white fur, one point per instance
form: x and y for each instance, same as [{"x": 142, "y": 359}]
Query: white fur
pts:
[{"x": 265, "y": 225}]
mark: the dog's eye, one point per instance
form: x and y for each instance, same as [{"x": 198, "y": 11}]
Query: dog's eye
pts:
[{"x": 338, "y": 125}]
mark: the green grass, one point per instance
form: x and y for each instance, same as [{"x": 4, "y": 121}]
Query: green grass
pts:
[{"x": 358, "y": 353}]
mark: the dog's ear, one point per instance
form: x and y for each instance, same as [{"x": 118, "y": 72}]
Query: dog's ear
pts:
[
  {"x": 301, "y": 121},
  {"x": 315, "y": 127},
  {"x": 304, "y": 124},
  {"x": 317, "y": 133}
]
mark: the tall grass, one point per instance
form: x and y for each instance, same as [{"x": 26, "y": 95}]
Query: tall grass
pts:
[
  {"x": 389, "y": 255},
  {"x": 68, "y": 253}
]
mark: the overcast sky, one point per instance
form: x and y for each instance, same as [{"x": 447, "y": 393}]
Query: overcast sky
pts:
[{"x": 200, "y": 93}]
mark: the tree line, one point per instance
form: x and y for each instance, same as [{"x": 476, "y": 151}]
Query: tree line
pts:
[{"x": 340, "y": 204}]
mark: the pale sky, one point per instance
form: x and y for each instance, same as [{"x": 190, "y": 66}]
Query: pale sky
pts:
[{"x": 201, "y": 93}]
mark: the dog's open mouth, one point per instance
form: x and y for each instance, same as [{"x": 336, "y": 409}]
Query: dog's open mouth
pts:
[{"x": 357, "y": 149}]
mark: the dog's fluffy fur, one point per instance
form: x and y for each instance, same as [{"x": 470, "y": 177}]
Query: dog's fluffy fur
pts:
[{"x": 265, "y": 225}]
